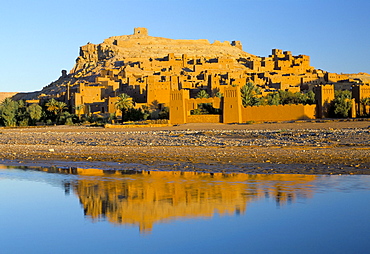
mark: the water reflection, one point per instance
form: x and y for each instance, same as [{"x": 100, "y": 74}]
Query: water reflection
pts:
[
  {"x": 329, "y": 214},
  {"x": 148, "y": 197}
]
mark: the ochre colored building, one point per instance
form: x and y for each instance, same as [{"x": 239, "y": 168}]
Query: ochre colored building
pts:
[{"x": 154, "y": 70}]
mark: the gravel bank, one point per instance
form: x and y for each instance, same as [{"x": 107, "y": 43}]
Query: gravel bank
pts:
[{"x": 305, "y": 147}]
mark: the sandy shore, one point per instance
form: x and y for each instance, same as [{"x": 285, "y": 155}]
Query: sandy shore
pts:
[{"x": 323, "y": 147}]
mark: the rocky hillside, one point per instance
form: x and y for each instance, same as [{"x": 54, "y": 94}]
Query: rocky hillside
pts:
[
  {"x": 117, "y": 50},
  {"x": 140, "y": 45},
  {"x": 4, "y": 95},
  {"x": 123, "y": 52}
]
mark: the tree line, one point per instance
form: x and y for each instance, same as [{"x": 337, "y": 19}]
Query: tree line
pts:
[
  {"x": 251, "y": 96},
  {"x": 18, "y": 113}
]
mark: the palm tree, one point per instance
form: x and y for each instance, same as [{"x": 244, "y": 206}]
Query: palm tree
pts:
[
  {"x": 52, "y": 106},
  {"x": 154, "y": 106},
  {"x": 365, "y": 103},
  {"x": 56, "y": 107},
  {"x": 248, "y": 93},
  {"x": 202, "y": 94},
  {"x": 35, "y": 112},
  {"x": 342, "y": 103},
  {"x": 202, "y": 107},
  {"x": 60, "y": 107},
  {"x": 8, "y": 112},
  {"x": 78, "y": 109},
  {"x": 123, "y": 103},
  {"x": 219, "y": 94}
]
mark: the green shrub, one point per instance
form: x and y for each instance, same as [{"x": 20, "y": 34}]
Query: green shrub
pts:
[{"x": 342, "y": 104}]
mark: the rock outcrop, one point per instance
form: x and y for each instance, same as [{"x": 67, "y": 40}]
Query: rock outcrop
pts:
[{"x": 117, "y": 49}]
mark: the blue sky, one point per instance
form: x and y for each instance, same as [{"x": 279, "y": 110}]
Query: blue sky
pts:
[{"x": 40, "y": 38}]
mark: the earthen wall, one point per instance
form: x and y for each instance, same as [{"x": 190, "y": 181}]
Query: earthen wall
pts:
[
  {"x": 278, "y": 113},
  {"x": 204, "y": 118}
]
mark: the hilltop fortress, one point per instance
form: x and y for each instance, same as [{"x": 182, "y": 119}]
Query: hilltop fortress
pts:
[{"x": 155, "y": 70}]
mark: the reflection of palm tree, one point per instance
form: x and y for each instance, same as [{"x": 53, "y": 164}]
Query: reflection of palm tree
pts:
[{"x": 123, "y": 103}]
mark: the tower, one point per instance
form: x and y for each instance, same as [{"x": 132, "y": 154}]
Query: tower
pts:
[
  {"x": 178, "y": 110},
  {"x": 232, "y": 105},
  {"x": 140, "y": 31},
  {"x": 324, "y": 94}
]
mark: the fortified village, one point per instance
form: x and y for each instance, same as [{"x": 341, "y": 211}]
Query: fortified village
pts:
[{"x": 160, "y": 72}]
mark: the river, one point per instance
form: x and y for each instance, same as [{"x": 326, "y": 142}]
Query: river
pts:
[{"x": 75, "y": 210}]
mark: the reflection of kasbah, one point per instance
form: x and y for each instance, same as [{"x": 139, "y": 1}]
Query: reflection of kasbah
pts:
[
  {"x": 160, "y": 72},
  {"x": 146, "y": 197}
]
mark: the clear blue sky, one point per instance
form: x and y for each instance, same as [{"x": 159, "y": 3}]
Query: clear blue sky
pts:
[{"x": 40, "y": 38}]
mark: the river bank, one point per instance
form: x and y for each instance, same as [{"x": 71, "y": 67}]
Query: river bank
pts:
[{"x": 325, "y": 147}]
